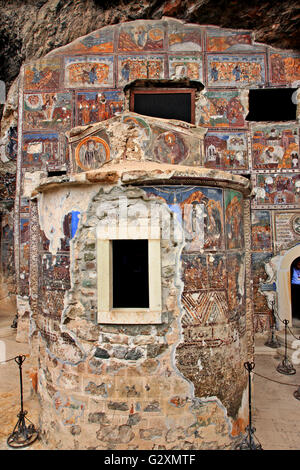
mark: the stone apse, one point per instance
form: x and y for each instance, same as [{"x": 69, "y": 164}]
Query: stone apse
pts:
[{"x": 211, "y": 206}]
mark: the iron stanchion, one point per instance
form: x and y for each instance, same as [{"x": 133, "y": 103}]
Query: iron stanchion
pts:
[
  {"x": 248, "y": 442},
  {"x": 272, "y": 342},
  {"x": 22, "y": 435},
  {"x": 286, "y": 367}
]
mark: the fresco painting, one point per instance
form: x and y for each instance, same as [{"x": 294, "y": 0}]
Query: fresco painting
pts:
[
  {"x": 234, "y": 219},
  {"x": 195, "y": 272},
  {"x": 277, "y": 189},
  {"x": 140, "y": 67},
  {"x": 236, "y": 284},
  {"x": 47, "y": 110},
  {"x": 259, "y": 276},
  {"x": 226, "y": 150},
  {"x": 141, "y": 37},
  {"x": 219, "y": 40},
  {"x": 99, "y": 41},
  {"x": 221, "y": 109},
  {"x": 216, "y": 270},
  {"x": 285, "y": 68},
  {"x": 261, "y": 230},
  {"x": 186, "y": 66},
  {"x": 235, "y": 70},
  {"x": 91, "y": 152},
  {"x": 170, "y": 147},
  {"x": 41, "y": 149},
  {"x": 184, "y": 38},
  {"x": 89, "y": 71},
  {"x": 42, "y": 75},
  {"x": 275, "y": 147},
  {"x": 98, "y": 106}
]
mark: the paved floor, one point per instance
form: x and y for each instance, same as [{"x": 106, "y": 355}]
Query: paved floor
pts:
[{"x": 275, "y": 411}]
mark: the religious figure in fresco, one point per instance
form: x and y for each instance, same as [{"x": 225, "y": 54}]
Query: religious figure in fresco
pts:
[
  {"x": 91, "y": 153},
  {"x": 170, "y": 148}
]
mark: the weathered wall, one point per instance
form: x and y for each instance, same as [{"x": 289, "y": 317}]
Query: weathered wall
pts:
[{"x": 161, "y": 386}]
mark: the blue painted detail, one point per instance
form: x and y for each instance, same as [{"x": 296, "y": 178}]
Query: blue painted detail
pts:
[{"x": 74, "y": 222}]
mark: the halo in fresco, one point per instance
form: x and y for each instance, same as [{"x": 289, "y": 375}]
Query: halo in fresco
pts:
[{"x": 91, "y": 153}]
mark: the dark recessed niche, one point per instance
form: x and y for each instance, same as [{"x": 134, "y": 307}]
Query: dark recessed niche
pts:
[
  {"x": 130, "y": 274},
  {"x": 164, "y": 103},
  {"x": 272, "y": 105}
]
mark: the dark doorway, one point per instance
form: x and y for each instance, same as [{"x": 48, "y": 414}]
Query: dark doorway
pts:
[
  {"x": 130, "y": 274},
  {"x": 295, "y": 291},
  {"x": 164, "y": 103}
]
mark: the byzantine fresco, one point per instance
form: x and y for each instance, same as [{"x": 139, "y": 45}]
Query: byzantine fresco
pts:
[
  {"x": 259, "y": 276},
  {"x": 285, "y": 68},
  {"x": 203, "y": 308},
  {"x": 226, "y": 150},
  {"x": 186, "y": 66},
  {"x": 235, "y": 284},
  {"x": 7, "y": 245},
  {"x": 47, "y": 110},
  {"x": 275, "y": 147},
  {"x": 91, "y": 153},
  {"x": 233, "y": 219},
  {"x": 235, "y": 70},
  {"x": 94, "y": 43},
  {"x": 195, "y": 272},
  {"x": 135, "y": 67},
  {"x": 200, "y": 212},
  {"x": 143, "y": 129},
  {"x": 184, "y": 37},
  {"x": 219, "y": 108},
  {"x": 40, "y": 149},
  {"x": 217, "y": 271},
  {"x": 11, "y": 147},
  {"x": 42, "y": 75},
  {"x": 55, "y": 271},
  {"x": 286, "y": 229},
  {"x": 277, "y": 189},
  {"x": 89, "y": 71},
  {"x": 261, "y": 230},
  {"x": 220, "y": 40},
  {"x": 98, "y": 106},
  {"x": 170, "y": 147},
  {"x": 141, "y": 36}
]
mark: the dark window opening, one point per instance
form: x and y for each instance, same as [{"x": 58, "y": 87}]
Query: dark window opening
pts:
[
  {"x": 56, "y": 173},
  {"x": 130, "y": 274},
  {"x": 295, "y": 291},
  {"x": 164, "y": 103},
  {"x": 272, "y": 105}
]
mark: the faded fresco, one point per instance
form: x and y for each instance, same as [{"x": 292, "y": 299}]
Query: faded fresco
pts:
[
  {"x": 219, "y": 108},
  {"x": 275, "y": 147},
  {"x": 91, "y": 152},
  {"x": 41, "y": 149},
  {"x": 277, "y": 189},
  {"x": 233, "y": 219},
  {"x": 42, "y": 75},
  {"x": 220, "y": 40},
  {"x": 94, "y": 107},
  {"x": 186, "y": 66},
  {"x": 285, "y": 68},
  {"x": 89, "y": 72},
  {"x": 135, "y": 67},
  {"x": 184, "y": 38},
  {"x": 226, "y": 150},
  {"x": 47, "y": 110},
  {"x": 261, "y": 230},
  {"x": 286, "y": 229},
  {"x": 141, "y": 37},
  {"x": 236, "y": 70}
]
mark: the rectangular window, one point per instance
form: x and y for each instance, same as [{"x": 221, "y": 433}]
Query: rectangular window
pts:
[
  {"x": 130, "y": 273},
  {"x": 272, "y": 104},
  {"x": 129, "y": 277},
  {"x": 172, "y": 103}
]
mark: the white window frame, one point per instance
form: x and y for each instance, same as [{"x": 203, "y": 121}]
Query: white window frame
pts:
[{"x": 134, "y": 315}]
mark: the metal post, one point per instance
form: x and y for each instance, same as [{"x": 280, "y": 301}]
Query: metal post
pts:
[
  {"x": 272, "y": 342},
  {"x": 248, "y": 442},
  {"x": 286, "y": 367},
  {"x": 22, "y": 435}
]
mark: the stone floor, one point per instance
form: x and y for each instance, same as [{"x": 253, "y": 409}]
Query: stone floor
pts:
[{"x": 275, "y": 411}]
